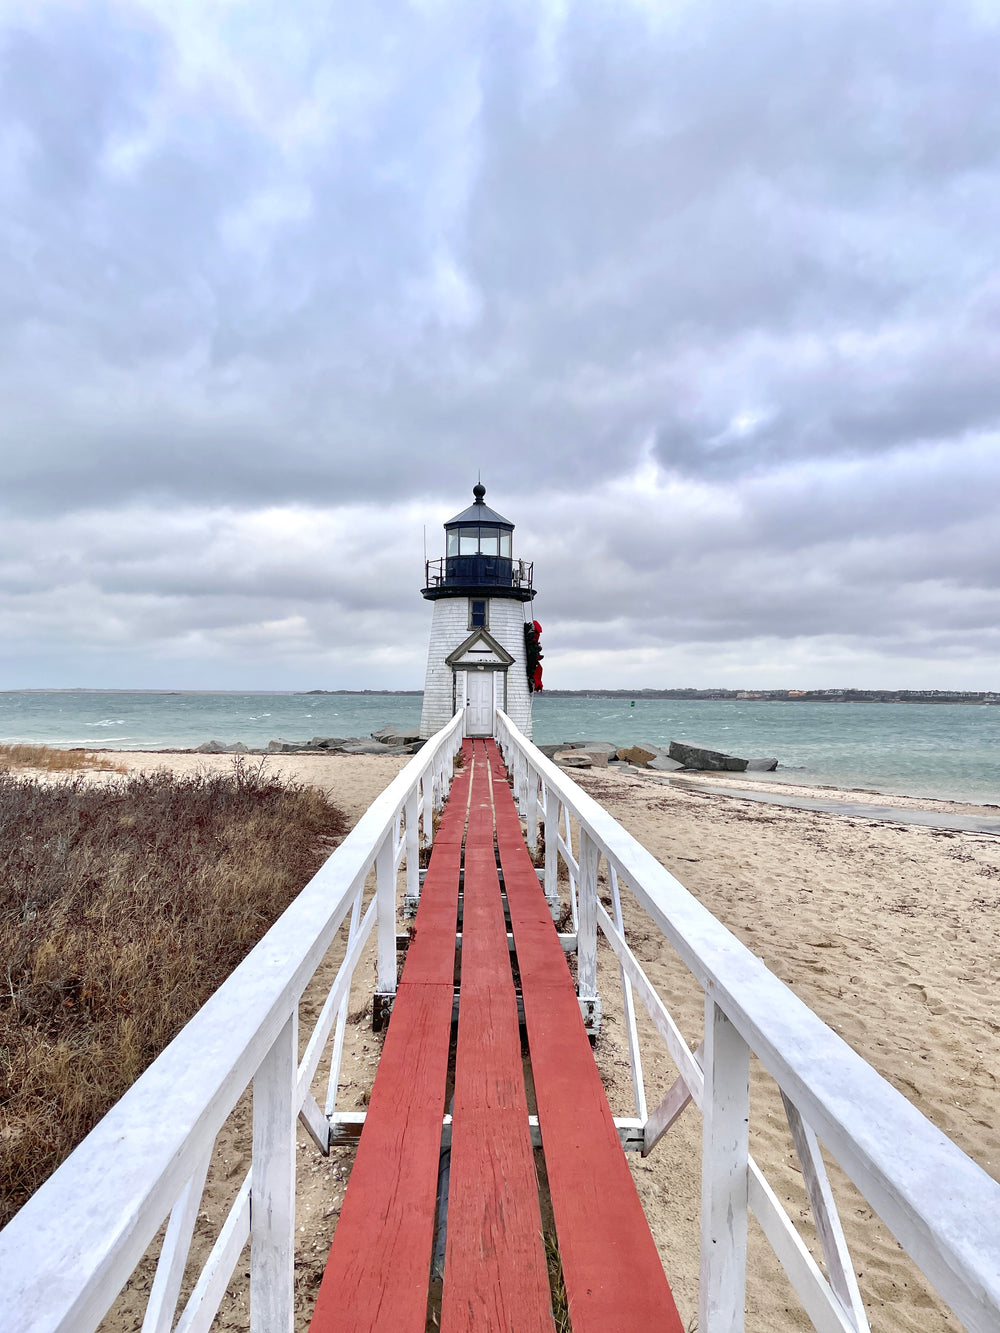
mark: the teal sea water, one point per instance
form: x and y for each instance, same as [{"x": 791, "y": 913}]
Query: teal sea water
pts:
[{"x": 946, "y": 750}]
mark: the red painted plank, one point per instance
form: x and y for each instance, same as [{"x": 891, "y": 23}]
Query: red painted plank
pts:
[
  {"x": 495, "y": 1276},
  {"x": 614, "y": 1279},
  {"x": 495, "y": 1272},
  {"x": 431, "y": 952},
  {"x": 379, "y": 1264}
]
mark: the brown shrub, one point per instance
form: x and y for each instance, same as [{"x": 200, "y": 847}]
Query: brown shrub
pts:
[{"x": 122, "y": 908}]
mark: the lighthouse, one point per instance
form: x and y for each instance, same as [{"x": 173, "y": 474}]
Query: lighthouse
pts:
[{"x": 477, "y": 656}]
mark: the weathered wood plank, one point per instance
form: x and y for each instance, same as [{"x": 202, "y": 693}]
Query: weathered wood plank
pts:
[
  {"x": 495, "y": 1271},
  {"x": 495, "y": 1274},
  {"x": 379, "y": 1264},
  {"x": 614, "y": 1279},
  {"x": 377, "y": 1271}
]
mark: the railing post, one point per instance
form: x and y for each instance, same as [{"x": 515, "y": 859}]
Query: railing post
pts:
[
  {"x": 385, "y": 891},
  {"x": 272, "y": 1198},
  {"x": 531, "y": 813},
  {"x": 551, "y": 848},
  {"x": 724, "y": 1168},
  {"x": 586, "y": 931},
  {"x": 412, "y": 812},
  {"x": 427, "y": 811}
]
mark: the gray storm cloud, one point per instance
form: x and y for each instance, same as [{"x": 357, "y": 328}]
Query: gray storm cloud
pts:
[{"x": 708, "y": 291}]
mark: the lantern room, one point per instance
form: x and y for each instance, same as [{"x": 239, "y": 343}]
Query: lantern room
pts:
[{"x": 478, "y": 556}]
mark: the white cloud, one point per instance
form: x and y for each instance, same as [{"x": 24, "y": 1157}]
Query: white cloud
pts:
[{"x": 709, "y": 296}]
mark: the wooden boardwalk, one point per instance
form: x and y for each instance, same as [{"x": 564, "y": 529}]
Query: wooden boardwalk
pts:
[{"x": 495, "y": 1275}]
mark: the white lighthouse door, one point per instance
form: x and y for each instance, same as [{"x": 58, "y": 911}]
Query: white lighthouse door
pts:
[{"x": 479, "y": 703}]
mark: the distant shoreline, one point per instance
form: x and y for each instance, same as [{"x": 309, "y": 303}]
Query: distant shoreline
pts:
[{"x": 980, "y": 698}]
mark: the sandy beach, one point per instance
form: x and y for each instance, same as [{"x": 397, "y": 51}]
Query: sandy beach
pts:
[{"x": 888, "y": 931}]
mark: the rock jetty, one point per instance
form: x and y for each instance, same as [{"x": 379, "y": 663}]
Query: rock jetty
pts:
[
  {"x": 678, "y": 757},
  {"x": 389, "y": 739}
]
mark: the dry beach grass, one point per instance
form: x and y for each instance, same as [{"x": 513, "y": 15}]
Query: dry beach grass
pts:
[
  {"x": 44, "y": 758},
  {"x": 890, "y": 932},
  {"x": 123, "y": 905}
]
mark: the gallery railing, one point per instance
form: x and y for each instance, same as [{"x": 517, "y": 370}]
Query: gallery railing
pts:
[
  {"x": 941, "y": 1206},
  {"x": 478, "y": 571}
]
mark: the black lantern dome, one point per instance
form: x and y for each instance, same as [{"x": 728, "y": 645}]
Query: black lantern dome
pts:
[{"x": 479, "y": 558}]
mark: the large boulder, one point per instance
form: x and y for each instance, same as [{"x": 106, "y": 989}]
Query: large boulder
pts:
[
  {"x": 575, "y": 759},
  {"x": 212, "y": 747},
  {"x": 327, "y": 742},
  {"x": 761, "y": 765},
  {"x": 640, "y": 755},
  {"x": 390, "y": 734},
  {"x": 706, "y": 760},
  {"x": 664, "y": 764},
  {"x": 649, "y": 755},
  {"x": 597, "y": 755}
]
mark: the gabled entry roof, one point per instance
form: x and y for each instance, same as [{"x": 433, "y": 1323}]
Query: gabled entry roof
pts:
[{"x": 480, "y": 649}]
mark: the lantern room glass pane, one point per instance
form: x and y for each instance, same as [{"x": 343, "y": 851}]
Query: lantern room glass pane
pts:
[
  {"x": 468, "y": 541},
  {"x": 453, "y": 541},
  {"x": 489, "y": 541},
  {"x": 505, "y": 545}
]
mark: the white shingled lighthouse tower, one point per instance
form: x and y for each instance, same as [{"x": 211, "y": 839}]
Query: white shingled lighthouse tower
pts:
[{"x": 477, "y": 655}]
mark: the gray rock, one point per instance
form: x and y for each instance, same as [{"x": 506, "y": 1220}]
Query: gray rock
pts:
[
  {"x": 212, "y": 747},
  {"x": 390, "y": 734},
  {"x": 238, "y": 747},
  {"x": 574, "y": 759},
  {"x": 598, "y": 757},
  {"x": 761, "y": 765},
  {"x": 327, "y": 742},
  {"x": 700, "y": 757},
  {"x": 664, "y": 764},
  {"x": 281, "y": 746},
  {"x": 371, "y": 747}
]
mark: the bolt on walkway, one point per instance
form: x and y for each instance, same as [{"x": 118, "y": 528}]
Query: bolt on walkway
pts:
[{"x": 496, "y": 1271}]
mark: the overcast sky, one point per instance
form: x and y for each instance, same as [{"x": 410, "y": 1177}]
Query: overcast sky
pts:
[{"x": 708, "y": 290}]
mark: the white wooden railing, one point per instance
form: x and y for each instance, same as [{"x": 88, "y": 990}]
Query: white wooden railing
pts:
[
  {"x": 942, "y": 1208},
  {"x": 70, "y": 1250}
]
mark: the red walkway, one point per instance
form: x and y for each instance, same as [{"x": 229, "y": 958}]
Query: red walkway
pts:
[{"x": 495, "y": 1276}]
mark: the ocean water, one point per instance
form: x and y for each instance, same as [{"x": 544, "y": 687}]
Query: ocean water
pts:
[{"x": 947, "y": 750}]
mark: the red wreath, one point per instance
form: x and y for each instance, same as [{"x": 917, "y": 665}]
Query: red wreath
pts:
[{"x": 532, "y": 643}]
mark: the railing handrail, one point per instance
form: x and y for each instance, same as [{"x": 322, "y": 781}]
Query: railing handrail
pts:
[
  {"x": 941, "y": 1205},
  {"x": 83, "y": 1231}
]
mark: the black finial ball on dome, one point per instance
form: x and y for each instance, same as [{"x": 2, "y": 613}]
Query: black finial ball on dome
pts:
[{"x": 479, "y": 491}]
